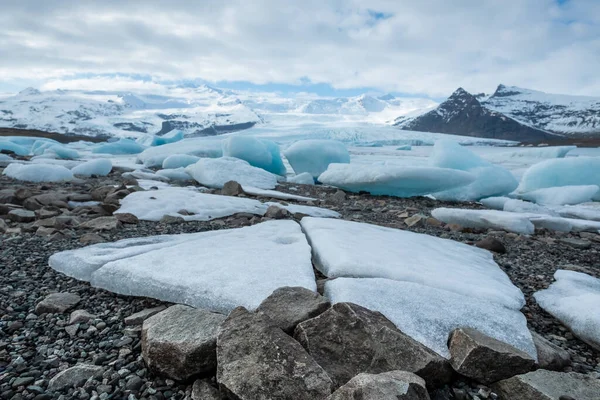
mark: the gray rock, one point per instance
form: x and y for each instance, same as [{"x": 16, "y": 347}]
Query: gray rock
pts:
[
  {"x": 581, "y": 244},
  {"x": 349, "y": 339},
  {"x": 203, "y": 390},
  {"x": 492, "y": 244},
  {"x": 288, "y": 306},
  {"x": 57, "y": 303},
  {"x": 232, "y": 188},
  {"x": 141, "y": 316},
  {"x": 3, "y": 226},
  {"x": 21, "y": 215},
  {"x": 170, "y": 219},
  {"x": 550, "y": 356},
  {"x": 549, "y": 385},
  {"x": 485, "y": 359},
  {"x": 102, "y": 224},
  {"x": 74, "y": 376},
  {"x": 393, "y": 385},
  {"x": 47, "y": 212},
  {"x": 80, "y": 317},
  {"x": 43, "y": 231},
  {"x": 180, "y": 341},
  {"x": 415, "y": 220},
  {"x": 338, "y": 197},
  {"x": 53, "y": 199},
  {"x": 276, "y": 212},
  {"x": 8, "y": 196},
  {"x": 257, "y": 360},
  {"x": 91, "y": 238},
  {"x": 127, "y": 218}
]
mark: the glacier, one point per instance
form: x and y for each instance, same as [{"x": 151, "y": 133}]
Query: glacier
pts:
[
  {"x": 99, "y": 167},
  {"x": 215, "y": 172},
  {"x": 259, "y": 153},
  {"x": 38, "y": 172},
  {"x": 391, "y": 180},
  {"x": 314, "y": 156}
]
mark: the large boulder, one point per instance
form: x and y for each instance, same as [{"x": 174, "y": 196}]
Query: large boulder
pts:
[
  {"x": 393, "y": 385},
  {"x": 549, "y": 385},
  {"x": 257, "y": 360},
  {"x": 180, "y": 342},
  {"x": 21, "y": 215},
  {"x": 550, "y": 356},
  {"x": 102, "y": 224},
  {"x": 74, "y": 376},
  {"x": 57, "y": 303},
  {"x": 347, "y": 340},
  {"x": 485, "y": 359},
  {"x": 51, "y": 199},
  {"x": 288, "y": 306}
]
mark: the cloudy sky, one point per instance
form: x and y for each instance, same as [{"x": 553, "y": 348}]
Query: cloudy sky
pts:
[{"x": 330, "y": 47}]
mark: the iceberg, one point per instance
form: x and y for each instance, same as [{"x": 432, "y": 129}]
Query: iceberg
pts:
[
  {"x": 171, "y": 137},
  {"x": 562, "y": 195},
  {"x": 215, "y": 172},
  {"x": 175, "y": 174},
  {"x": 122, "y": 146},
  {"x": 302, "y": 179},
  {"x": 429, "y": 314},
  {"x": 520, "y": 206},
  {"x": 215, "y": 270},
  {"x": 38, "y": 172},
  {"x": 199, "y": 147},
  {"x": 391, "y": 180},
  {"x": 358, "y": 250},
  {"x": 496, "y": 203},
  {"x": 314, "y": 156},
  {"x": 490, "y": 179},
  {"x": 573, "y": 171},
  {"x": 590, "y": 211},
  {"x": 259, "y": 153},
  {"x": 99, "y": 167},
  {"x": 406, "y": 147},
  {"x": 486, "y": 219},
  {"x": 15, "y": 148},
  {"x": 275, "y": 194},
  {"x": 179, "y": 161},
  {"x": 574, "y": 300},
  {"x": 55, "y": 151}
]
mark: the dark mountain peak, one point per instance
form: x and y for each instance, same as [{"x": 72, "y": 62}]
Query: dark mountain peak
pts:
[
  {"x": 505, "y": 91},
  {"x": 460, "y": 92}
]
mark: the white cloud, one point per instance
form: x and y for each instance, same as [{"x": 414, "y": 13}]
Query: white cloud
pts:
[{"x": 430, "y": 46}]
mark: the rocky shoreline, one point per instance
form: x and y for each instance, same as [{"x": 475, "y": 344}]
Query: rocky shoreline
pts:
[{"x": 35, "y": 346}]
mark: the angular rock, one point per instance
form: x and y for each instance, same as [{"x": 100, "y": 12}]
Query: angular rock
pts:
[
  {"x": 170, "y": 219},
  {"x": 127, "y": 218},
  {"x": 549, "y": 385},
  {"x": 3, "y": 226},
  {"x": 276, "y": 212},
  {"x": 492, "y": 244},
  {"x": 74, "y": 376},
  {"x": 8, "y": 196},
  {"x": 99, "y": 194},
  {"x": 581, "y": 244},
  {"x": 485, "y": 359},
  {"x": 80, "y": 317},
  {"x": 43, "y": 231},
  {"x": 550, "y": 356},
  {"x": 415, "y": 220},
  {"x": 102, "y": 224},
  {"x": 203, "y": 390},
  {"x": 393, "y": 385},
  {"x": 180, "y": 341},
  {"x": 338, "y": 197},
  {"x": 21, "y": 215},
  {"x": 232, "y": 188},
  {"x": 47, "y": 212},
  {"x": 257, "y": 360},
  {"x": 53, "y": 199},
  {"x": 288, "y": 306},
  {"x": 348, "y": 339},
  {"x": 141, "y": 316},
  {"x": 91, "y": 238},
  {"x": 57, "y": 303}
]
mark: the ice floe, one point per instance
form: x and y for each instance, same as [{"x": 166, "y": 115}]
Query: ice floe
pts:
[
  {"x": 259, "y": 153},
  {"x": 99, "y": 167},
  {"x": 215, "y": 172},
  {"x": 38, "y": 172},
  {"x": 314, "y": 156}
]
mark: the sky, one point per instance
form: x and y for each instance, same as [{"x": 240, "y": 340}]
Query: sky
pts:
[{"x": 424, "y": 48}]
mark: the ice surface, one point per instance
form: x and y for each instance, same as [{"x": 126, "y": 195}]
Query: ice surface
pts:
[
  {"x": 391, "y": 180},
  {"x": 145, "y": 175},
  {"x": 73, "y": 204},
  {"x": 175, "y": 174},
  {"x": 259, "y": 153},
  {"x": 485, "y": 219},
  {"x": 353, "y": 249},
  {"x": 215, "y": 270},
  {"x": 520, "y": 206},
  {"x": 535, "y": 153},
  {"x": 215, "y": 172},
  {"x": 574, "y": 299},
  {"x": 308, "y": 210},
  {"x": 199, "y": 147},
  {"x": 491, "y": 180},
  {"x": 122, "y": 146},
  {"x": 314, "y": 156},
  {"x": 496, "y": 203},
  {"x": 275, "y": 194},
  {"x": 171, "y": 137},
  {"x": 573, "y": 171},
  {"x": 303, "y": 179},
  {"x": 148, "y": 184},
  {"x": 405, "y": 147},
  {"x": 38, "y": 172},
  {"x": 153, "y": 205},
  {"x": 6, "y": 157},
  {"x": 54, "y": 151},
  {"x": 179, "y": 161},
  {"x": 562, "y": 195},
  {"x": 15, "y": 148},
  {"x": 429, "y": 314},
  {"x": 589, "y": 211},
  {"x": 100, "y": 167}
]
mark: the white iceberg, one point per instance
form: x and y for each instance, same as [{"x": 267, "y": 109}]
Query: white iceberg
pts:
[
  {"x": 215, "y": 172},
  {"x": 562, "y": 195},
  {"x": 391, "y": 180},
  {"x": 496, "y": 203},
  {"x": 199, "y": 147},
  {"x": 275, "y": 194},
  {"x": 99, "y": 167},
  {"x": 259, "y": 153},
  {"x": 574, "y": 299},
  {"x": 303, "y": 179},
  {"x": 38, "y": 172},
  {"x": 179, "y": 161},
  {"x": 121, "y": 146},
  {"x": 215, "y": 270},
  {"x": 175, "y": 174},
  {"x": 486, "y": 219},
  {"x": 314, "y": 156}
]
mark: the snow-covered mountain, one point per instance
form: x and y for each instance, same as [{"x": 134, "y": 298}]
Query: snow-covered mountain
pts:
[
  {"x": 463, "y": 114},
  {"x": 563, "y": 114}
]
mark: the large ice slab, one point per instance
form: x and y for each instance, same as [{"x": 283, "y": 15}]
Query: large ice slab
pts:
[
  {"x": 574, "y": 299},
  {"x": 496, "y": 202},
  {"x": 429, "y": 314},
  {"x": 99, "y": 167},
  {"x": 562, "y": 195},
  {"x": 215, "y": 270},
  {"x": 199, "y": 147},
  {"x": 52, "y": 150},
  {"x": 314, "y": 156},
  {"x": 307, "y": 210},
  {"x": 175, "y": 174},
  {"x": 573, "y": 171},
  {"x": 179, "y": 161},
  {"x": 15, "y": 148},
  {"x": 485, "y": 219},
  {"x": 391, "y": 180},
  {"x": 353, "y": 249},
  {"x": 38, "y": 172},
  {"x": 259, "y": 153},
  {"x": 304, "y": 179},
  {"x": 215, "y": 172},
  {"x": 490, "y": 179},
  {"x": 153, "y": 205},
  {"x": 275, "y": 194},
  {"x": 121, "y": 146}
]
